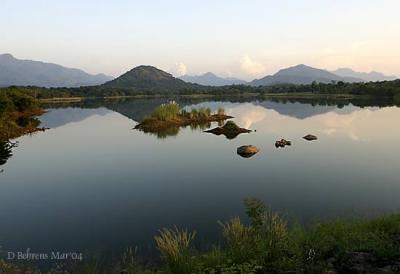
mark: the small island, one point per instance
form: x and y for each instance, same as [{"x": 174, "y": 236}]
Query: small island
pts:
[
  {"x": 170, "y": 115},
  {"x": 230, "y": 130}
]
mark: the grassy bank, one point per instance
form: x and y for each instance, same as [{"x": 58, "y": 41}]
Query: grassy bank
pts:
[{"x": 265, "y": 243}]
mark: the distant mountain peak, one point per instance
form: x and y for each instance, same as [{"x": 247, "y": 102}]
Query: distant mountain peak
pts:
[
  {"x": 148, "y": 78},
  {"x": 36, "y": 73},
  {"x": 147, "y": 72},
  {"x": 301, "y": 74}
]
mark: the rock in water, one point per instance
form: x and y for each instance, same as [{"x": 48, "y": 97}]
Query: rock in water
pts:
[
  {"x": 230, "y": 130},
  {"x": 310, "y": 137},
  {"x": 283, "y": 143},
  {"x": 247, "y": 151}
]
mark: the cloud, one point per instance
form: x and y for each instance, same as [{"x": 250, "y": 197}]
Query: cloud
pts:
[
  {"x": 180, "y": 69},
  {"x": 251, "y": 67}
]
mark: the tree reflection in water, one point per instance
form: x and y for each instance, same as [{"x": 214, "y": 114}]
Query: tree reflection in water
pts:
[{"x": 6, "y": 151}]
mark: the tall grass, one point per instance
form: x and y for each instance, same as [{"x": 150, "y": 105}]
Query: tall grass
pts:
[
  {"x": 166, "y": 112},
  {"x": 174, "y": 245},
  {"x": 171, "y": 111},
  {"x": 265, "y": 243},
  {"x": 239, "y": 239}
]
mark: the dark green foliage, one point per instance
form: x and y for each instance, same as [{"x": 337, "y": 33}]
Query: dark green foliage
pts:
[
  {"x": 16, "y": 109},
  {"x": 141, "y": 82},
  {"x": 12, "y": 99},
  {"x": 6, "y": 104}
]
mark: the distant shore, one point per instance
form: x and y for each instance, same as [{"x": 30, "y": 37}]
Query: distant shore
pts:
[{"x": 305, "y": 95}]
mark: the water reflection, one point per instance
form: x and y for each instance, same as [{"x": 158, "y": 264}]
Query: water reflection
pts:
[
  {"x": 6, "y": 151},
  {"x": 138, "y": 109},
  {"x": 14, "y": 127},
  {"x": 174, "y": 130},
  {"x": 92, "y": 182}
]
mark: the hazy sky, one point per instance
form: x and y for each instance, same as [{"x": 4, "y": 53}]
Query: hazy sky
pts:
[{"x": 245, "y": 39}]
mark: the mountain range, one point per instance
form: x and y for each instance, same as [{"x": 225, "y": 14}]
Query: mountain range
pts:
[
  {"x": 372, "y": 76},
  {"x": 301, "y": 74},
  {"x": 34, "y": 73},
  {"x": 210, "y": 79},
  {"x": 18, "y": 72}
]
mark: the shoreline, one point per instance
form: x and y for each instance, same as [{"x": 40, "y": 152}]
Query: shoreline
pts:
[{"x": 307, "y": 95}]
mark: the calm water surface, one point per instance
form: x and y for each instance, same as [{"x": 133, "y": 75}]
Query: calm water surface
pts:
[{"x": 91, "y": 182}]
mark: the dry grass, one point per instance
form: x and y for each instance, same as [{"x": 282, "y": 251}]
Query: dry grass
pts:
[{"x": 174, "y": 245}]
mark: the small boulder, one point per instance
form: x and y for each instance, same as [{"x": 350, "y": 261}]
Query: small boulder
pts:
[
  {"x": 283, "y": 143},
  {"x": 247, "y": 151},
  {"x": 310, "y": 137}
]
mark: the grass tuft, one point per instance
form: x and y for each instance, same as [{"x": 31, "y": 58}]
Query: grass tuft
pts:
[{"x": 174, "y": 245}]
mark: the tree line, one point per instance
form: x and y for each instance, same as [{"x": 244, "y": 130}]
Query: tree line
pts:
[{"x": 383, "y": 89}]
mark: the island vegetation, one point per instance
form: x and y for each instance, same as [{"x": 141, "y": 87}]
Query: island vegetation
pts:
[
  {"x": 264, "y": 242},
  {"x": 230, "y": 130},
  {"x": 170, "y": 115}
]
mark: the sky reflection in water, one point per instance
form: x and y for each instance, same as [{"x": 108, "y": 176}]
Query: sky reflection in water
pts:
[{"x": 92, "y": 182}]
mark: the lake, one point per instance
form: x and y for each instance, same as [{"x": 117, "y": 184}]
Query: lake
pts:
[{"x": 92, "y": 183}]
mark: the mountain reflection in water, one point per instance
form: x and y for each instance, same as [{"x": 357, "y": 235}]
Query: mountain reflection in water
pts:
[{"x": 92, "y": 182}]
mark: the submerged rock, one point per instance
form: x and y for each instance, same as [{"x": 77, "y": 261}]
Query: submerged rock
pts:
[
  {"x": 247, "y": 151},
  {"x": 282, "y": 143},
  {"x": 230, "y": 130},
  {"x": 310, "y": 137}
]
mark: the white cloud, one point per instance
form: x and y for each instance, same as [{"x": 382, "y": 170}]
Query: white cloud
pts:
[
  {"x": 180, "y": 69},
  {"x": 251, "y": 67}
]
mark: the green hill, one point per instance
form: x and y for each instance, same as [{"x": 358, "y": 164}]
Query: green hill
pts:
[{"x": 148, "y": 78}]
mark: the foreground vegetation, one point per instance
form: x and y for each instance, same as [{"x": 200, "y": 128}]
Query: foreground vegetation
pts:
[{"x": 265, "y": 243}]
